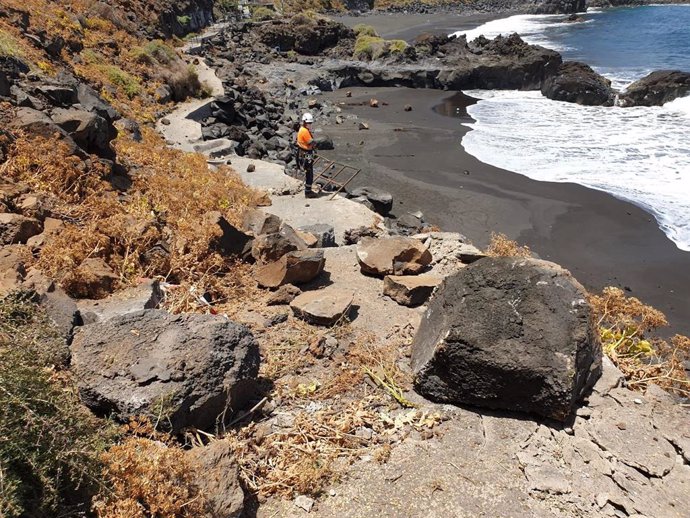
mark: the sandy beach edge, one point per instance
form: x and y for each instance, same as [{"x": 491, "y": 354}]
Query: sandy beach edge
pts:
[{"x": 418, "y": 157}]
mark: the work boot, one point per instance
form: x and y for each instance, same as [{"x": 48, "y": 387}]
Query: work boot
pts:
[{"x": 309, "y": 194}]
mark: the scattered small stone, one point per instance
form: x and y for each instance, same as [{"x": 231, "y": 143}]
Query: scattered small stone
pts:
[
  {"x": 304, "y": 502},
  {"x": 165, "y": 122},
  {"x": 339, "y": 120},
  {"x": 637, "y": 401},
  {"x": 348, "y": 94},
  {"x": 408, "y": 108},
  {"x": 374, "y": 103},
  {"x": 284, "y": 295},
  {"x": 602, "y": 499},
  {"x": 331, "y": 492},
  {"x": 363, "y": 126},
  {"x": 313, "y": 103},
  {"x": 251, "y": 168},
  {"x": 276, "y": 319},
  {"x": 621, "y": 426}
]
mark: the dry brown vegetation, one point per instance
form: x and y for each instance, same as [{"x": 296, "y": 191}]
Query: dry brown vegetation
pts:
[
  {"x": 159, "y": 228},
  {"x": 326, "y": 402},
  {"x": 102, "y": 49},
  {"x": 626, "y": 327},
  {"x": 502, "y": 246}
]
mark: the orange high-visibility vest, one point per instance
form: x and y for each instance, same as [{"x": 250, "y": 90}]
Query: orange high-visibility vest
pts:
[{"x": 305, "y": 139}]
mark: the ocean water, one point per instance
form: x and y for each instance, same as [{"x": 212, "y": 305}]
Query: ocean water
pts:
[{"x": 638, "y": 154}]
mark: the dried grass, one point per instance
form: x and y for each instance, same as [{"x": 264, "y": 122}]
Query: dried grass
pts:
[
  {"x": 626, "y": 327},
  {"x": 327, "y": 404},
  {"x": 501, "y": 246},
  {"x": 166, "y": 209}
]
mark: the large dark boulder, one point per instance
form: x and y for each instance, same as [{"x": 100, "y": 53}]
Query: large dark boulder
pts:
[
  {"x": 89, "y": 130},
  {"x": 575, "y": 82},
  {"x": 657, "y": 88},
  {"x": 181, "y": 370},
  {"x": 508, "y": 333}
]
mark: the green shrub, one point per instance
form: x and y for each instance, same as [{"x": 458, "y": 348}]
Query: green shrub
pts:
[
  {"x": 8, "y": 45},
  {"x": 122, "y": 80},
  {"x": 154, "y": 52},
  {"x": 362, "y": 29},
  {"x": 49, "y": 443},
  {"x": 261, "y": 14},
  {"x": 395, "y": 46},
  {"x": 368, "y": 47},
  {"x": 183, "y": 20}
]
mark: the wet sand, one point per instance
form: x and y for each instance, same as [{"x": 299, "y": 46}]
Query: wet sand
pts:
[{"x": 418, "y": 157}]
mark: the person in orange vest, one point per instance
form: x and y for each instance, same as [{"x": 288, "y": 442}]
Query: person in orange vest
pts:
[{"x": 305, "y": 153}]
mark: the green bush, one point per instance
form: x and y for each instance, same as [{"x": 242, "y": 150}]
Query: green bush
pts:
[
  {"x": 368, "y": 47},
  {"x": 395, "y": 46},
  {"x": 49, "y": 443},
  {"x": 183, "y": 20},
  {"x": 362, "y": 29},
  {"x": 154, "y": 52},
  {"x": 261, "y": 14},
  {"x": 122, "y": 80},
  {"x": 8, "y": 45},
  {"x": 226, "y": 6}
]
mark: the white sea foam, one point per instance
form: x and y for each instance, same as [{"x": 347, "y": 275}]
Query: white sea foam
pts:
[
  {"x": 530, "y": 27},
  {"x": 638, "y": 154}
]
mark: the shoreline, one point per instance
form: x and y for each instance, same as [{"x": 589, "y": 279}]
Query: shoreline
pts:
[{"x": 602, "y": 240}]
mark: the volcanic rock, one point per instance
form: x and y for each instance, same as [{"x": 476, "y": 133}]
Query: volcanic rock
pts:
[
  {"x": 284, "y": 295},
  {"x": 271, "y": 247},
  {"x": 325, "y": 234},
  {"x": 323, "y": 307},
  {"x": 15, "y": 228},
  {"x": 295, "y": 267},
  {"x": 392, "y": 256},
  {"x": 410, "y": 290},
  {"x": 382, "y": 201},
  {"x": 657, "y": 88},
  {"x": 508, "y": 333},
  {"x": 576, "y": 82},
  {"x": 188, "y": 368},
  {"x": 258, "y": 222},
  {"x": 218, "y": 479}
]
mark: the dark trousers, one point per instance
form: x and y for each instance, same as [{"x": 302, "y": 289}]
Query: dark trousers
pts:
[{"x": 305, "y": 160}]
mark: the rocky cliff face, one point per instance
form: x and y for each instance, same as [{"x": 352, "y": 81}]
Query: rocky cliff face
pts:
[{"x": 166, "y": 19}]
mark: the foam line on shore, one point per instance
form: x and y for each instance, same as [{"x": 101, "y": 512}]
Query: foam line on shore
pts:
[{"x": 616, "y": 150}]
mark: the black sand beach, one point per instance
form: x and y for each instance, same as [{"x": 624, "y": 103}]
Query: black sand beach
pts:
[
  {"x": 417, "y": 156},
  {"x": 408, "y": 27}
]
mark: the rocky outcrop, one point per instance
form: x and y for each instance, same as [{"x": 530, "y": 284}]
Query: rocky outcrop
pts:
[
  {"x": 305, "y": 35},
  {"x": 323, "y": 307},
  {"x": 392, "y": 256},
  {"x": 182, "y": 369},
  {"x": 657, "y": 88},
  {"x": 296, "y": 267},
  {"x": 576, "y": 82},
  {"x": 558, "y": 6},
  {"x": 508, "y": 333}
]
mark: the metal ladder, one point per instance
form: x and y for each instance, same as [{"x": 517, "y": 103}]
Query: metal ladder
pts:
[{"x": 330, "y": 170}]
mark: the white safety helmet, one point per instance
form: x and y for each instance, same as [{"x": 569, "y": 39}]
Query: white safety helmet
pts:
[{"x": 307, "y": 118}]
